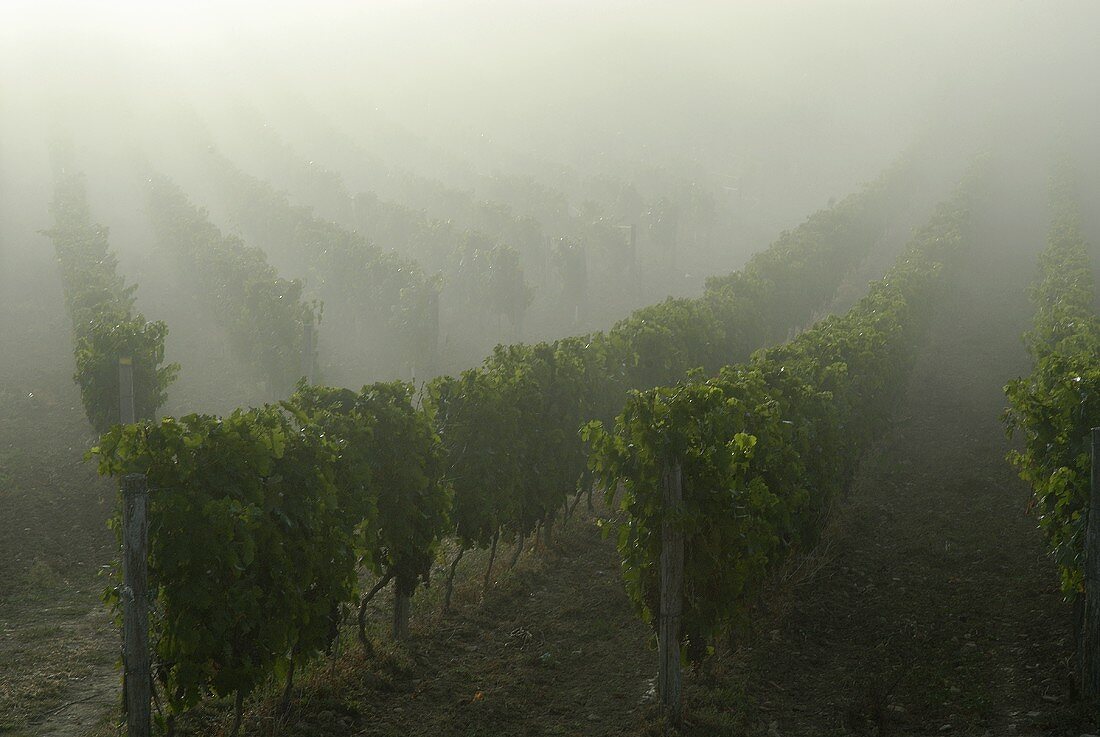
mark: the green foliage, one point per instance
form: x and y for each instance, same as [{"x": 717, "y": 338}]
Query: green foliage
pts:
[
  {"x": 548, "y": 390},
  {"x": 101, "y": 342},
  {"x": 741, "y": 481},
  {"x": 105, "y": 325},
  {"x": 259, "y": 522},
  {"x": 801, "y": 270},
  {"x": 362, "y": 284},
  {"x": 479, "y": 424},
  {"x": 766, "y": 445},
  {"x": 1057, "y": 405},
  {"x": 417, "y": 319},
  {"x": 388, "y": 471},
  {"x": 510, "y": 436},
  {"x": 249, "y": 545},
  {"x": 669, "y": 338}
]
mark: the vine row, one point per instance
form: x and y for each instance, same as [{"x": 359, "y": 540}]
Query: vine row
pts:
[
  {"x": 1055, "y": 407},
  {"x": 764, "y": 447},
  {"x": 106, "y": 326},
  {"x": 264, "y": 315}
]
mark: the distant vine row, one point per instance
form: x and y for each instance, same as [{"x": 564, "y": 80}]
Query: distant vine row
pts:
[
  {"x": 106, "y": 327},
  {"x": 381, "y": 304},
  {"x": 263, "y": 314}
]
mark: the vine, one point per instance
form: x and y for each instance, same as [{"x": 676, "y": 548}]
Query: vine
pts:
[
  {"x": 264, "y": 314},
  {"x": 766, "y": 445},
  {"x": 1056, "y": 406},
  {"x": 106, "y": 327}
]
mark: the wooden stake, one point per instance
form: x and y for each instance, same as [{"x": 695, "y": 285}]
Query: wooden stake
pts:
[
  {"x": 489, "y": 570},
  {"x": 402, "y": 606},
  {"x": 517, "y": 552},
  {"x": 669, "y": 682},
  {"x": 451, "y": 581},
  {"x": 238, "y": 712},
  {"x": 135, "y": 617},
  {"x": 1091, "y": 638}
]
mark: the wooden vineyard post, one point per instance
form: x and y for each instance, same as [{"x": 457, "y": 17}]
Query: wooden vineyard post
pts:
[
  {"x": 135, "y": 617},
  {"x": 402, "y": 606},
  {"x": 433, "y": 326},
  {"x": 669, "y": 682},
  {"x": 633, "y": 246},
  {"x": 634, "y": 251},
  {"x": 1091, "y": 640},
  {"x": 307, "y": 351},
  {"x": 135, "y": 553}
]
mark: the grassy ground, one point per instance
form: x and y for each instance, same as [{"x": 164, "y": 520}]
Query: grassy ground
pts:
[
  {"x": 552, "y": 648},
  {"x": 57, "y": 669},
  {"x": 57, "y": 647}
]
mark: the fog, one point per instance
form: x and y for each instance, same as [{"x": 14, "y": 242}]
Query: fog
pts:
[
  {"x": 438, "y": 130},
  {"x": 533, "y": 216}
]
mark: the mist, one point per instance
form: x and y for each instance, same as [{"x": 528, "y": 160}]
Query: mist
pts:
[
  {"x": 273, "y": 196},
  {"x": 730, "y": 121}
]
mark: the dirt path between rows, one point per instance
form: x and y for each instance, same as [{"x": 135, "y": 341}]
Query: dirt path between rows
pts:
[{"x": 552, "y": 648}]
